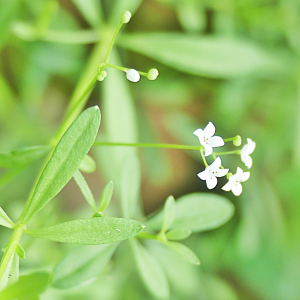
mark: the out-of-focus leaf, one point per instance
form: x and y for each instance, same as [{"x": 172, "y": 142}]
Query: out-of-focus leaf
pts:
[
  {"x": 82, "y": 265},
  {"x": 185, "y": 252},
  {"x": 215, "y": 57},
  {"x": 30, "y": 285},
  {"x": 8, "y": 10},
  {"x": 87, "y": 193},
  {"x": 88, "y": 165},
  {"x": 120, "y": 6},
  {"x": 5, "y": 219},
  {"x": 20, "y": 252},
  {"x": 91, "y": 10},
  {"x": 191, "y": 15},
  {"x": 169, "y": 214},
  {"x": 120, "y": 122},
  {"x": 106, "y": 196},
  {"x": 151, "y": 272},
  {"x": 22, "y": 157},
  {"x": 93, "y": 231},
  {"x": 198, "y": 211},
  {"x": 11, "y": 274},
  {"x": 65, "y": 160},
  {"x": 178, "y": 234},
  {"x": 130, "y": 186}
]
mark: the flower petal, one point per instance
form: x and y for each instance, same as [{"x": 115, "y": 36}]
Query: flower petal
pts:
[
  {"x": 199, "y": 133},
  {"x": 237, "y": 189},
  {"x": 251, "y": 146},
  {"x": 216, "y": 164},
  {"x": 245, "y": 176},
  {"x": 210, "y": 129},
  {"x": 227, "y": 187},
  {"x": 239, "y": 172},
  {"x": 247, "y": 160},
  {"x": 208, "y": 149},
  {"x": 211, "y": 182},
  {"x": 216, "y": 141},
  {"x": 221, "y": 172},
  {"x": 203, "y": 175}
]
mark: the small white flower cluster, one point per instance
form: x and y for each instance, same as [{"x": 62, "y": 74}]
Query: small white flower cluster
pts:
[{"x": 210, "y": 174}]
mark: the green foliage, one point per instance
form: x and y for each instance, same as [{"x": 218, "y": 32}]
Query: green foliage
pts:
[
  {"x": 81, "y": 265},
  {"x": 5, "y": 220},
  {"x": 22, "y": 157},
  {"x": 93, "y": 231},
  {"x": 65, "y": 160},
  {"x": 28, "y": 287},
  {"x": 178, "y": 234},
  {"x": 151, "y": 272},
  {"x": 198, "y": 212},
  {"x": 88, "y": 165},
  {"x": 168, "y": 214},
  {"x": 106, "y": 196}
]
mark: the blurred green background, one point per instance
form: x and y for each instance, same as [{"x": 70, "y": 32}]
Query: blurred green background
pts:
[{"x": 235, "y": 63}]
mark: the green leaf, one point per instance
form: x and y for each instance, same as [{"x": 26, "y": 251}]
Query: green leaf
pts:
[
  {"x": 11, "y": 274},
  {"x": 91, "y": 10},
  {"x": 185, "y": 252},
  {"x": 151, "y": 272},
  {"x": 20, "y": 252},
  {"x": 106, "y": 196},
  {"x": 85, "y": 190},
  {"x": 88, "y": 165},
  {"x": 198, "y": 211},
  {"x": 93, "y": 231},
  {"x": 178, "y": 234},
  {"x": 210, "y": 56},
  {"x": 130, "y": 185},
  {"x": 5, "y": 220},
  {"x": 169, "y": 214},
  {"x": 81, "y": 265},
  {"x": 30, "y": 285},
  {"x": 22, "y": 157},
  {"x": 65, "y": 160}
]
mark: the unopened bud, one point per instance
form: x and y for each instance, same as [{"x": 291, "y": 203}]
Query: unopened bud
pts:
[
  {"x": 133, "y": 75},
  {"x": 228, "y": 175},
  {"x": 126, "y": 17},
  {"x": 237, "y": 141},
  {"x": 152, "y": 74},
  {"x": 101, "y": 75}
]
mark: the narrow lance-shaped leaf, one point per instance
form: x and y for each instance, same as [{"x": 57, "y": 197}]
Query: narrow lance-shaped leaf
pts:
[
  {"x": 198, "y": 211},
  {"x": 30, "y": 286},
  {"x": 85, "y": 190},
  {"x": 88, "y": 165},
  {"x": 185, "y": 252},
  {"x": 11, "y": 274},
  {"x": 65, "y": 160},
  {"x": 130, "y": 185},
  {"x": 151, "y": 272},
  {"x": 106, "y": 196},
  {"x": 93, "y": 231},
  {"x": 169, "y": 214},
  {"x": 5, "y": 220},
  {"x": 178, "y": 234},
  {"x": 22, "y": 157},
  {"x": 210, "y": 56},
  {"x": 81, "y": 265}
]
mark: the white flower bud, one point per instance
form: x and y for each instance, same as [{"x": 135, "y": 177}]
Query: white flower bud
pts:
[
  {"x": 133, "y": 75},
  {"x": 152, "y": 74},
  {"x": 126, "y": 17}
]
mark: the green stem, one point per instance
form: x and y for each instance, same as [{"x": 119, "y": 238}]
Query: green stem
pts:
[
  {"x": 11, "y": 247},
  {"x": 228, "y": 152},
  {"x": 149, "y": 145},
  {"x": 145, "y": 235},
  {"x": 203, "y": 158}
]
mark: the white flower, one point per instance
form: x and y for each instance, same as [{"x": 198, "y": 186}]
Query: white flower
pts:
[
  {"x": 211, "y": 173},
  {"x": 234, "y": 183},
  {"x": 246, "y": 151},
  {"x": 207, "y": 139},
  {"x": 133, "y": 75}
]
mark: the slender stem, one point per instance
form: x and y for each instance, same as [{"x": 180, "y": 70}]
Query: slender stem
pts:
[
  {"x": 116, "y": 67},
  {"x": 145, "y": 235},
  {"x": 203, "y": 158},
  {"x": 229, "y": 139},
  {"x": 228, "y": 152},
  {"x": 149, "y": 145},
  {"x": 11, "y": 247}
]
